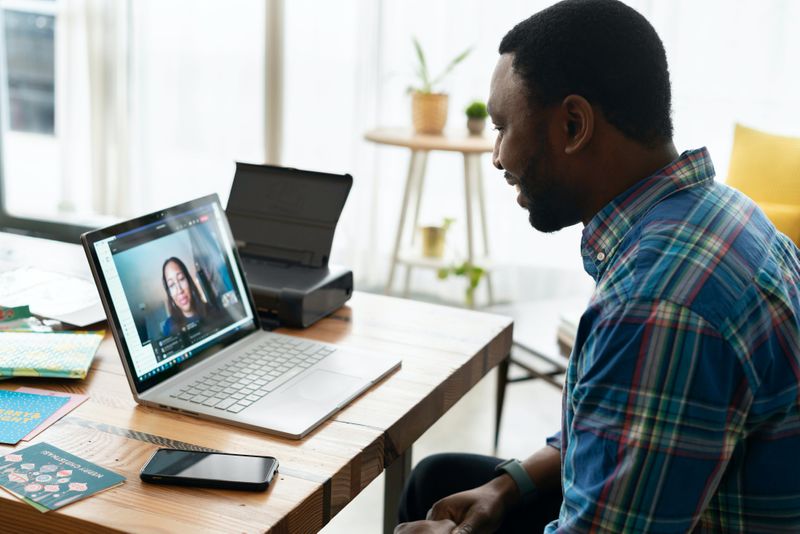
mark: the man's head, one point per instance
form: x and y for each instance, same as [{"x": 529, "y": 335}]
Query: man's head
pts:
[{"x": 574, "y": 83}]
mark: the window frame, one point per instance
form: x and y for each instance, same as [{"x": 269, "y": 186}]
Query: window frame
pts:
[{"x": 46, "y": 228}]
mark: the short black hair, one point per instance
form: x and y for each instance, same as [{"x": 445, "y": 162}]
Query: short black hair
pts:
[{"x": 604, "y": 51}]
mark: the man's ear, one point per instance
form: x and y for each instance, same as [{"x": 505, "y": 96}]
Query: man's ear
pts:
[{"x": 579, "y": 123}]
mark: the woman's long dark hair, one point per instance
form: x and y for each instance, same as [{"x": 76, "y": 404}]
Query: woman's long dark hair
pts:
[{"x": 199, "y": 306}]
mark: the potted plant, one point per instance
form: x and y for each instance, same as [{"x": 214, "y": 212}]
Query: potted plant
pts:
[
  {"x": 472, "y": 273},
  {"x": 476, "y": 117},
  {"x": 433, "y": 239},
  {"x": 428, "y": 105}
]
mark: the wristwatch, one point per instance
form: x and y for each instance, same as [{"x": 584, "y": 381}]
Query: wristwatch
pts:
[{"x": 514, "y": 469}]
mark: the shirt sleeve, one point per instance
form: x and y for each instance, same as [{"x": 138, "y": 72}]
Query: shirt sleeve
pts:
[
  {"x": 657, "y": 407},
  {"x": 554, "y": 440}
]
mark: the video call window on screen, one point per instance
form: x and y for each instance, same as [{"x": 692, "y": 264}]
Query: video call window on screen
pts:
[{"x": 178, "y": 282}]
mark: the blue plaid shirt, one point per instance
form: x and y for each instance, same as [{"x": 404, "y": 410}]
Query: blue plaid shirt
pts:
[{"x": 681, "y": 406}]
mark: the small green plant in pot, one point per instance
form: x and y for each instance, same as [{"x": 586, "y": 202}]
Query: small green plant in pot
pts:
[
  {"x": 472, "y": 273},
  {"x": 476, "y": 117},
  {"x": 428, "y": 104}
]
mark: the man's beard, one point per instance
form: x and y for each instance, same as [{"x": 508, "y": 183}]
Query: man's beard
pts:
[{"x": 549, "y": 207}]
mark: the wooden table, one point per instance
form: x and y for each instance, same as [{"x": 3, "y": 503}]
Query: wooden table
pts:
[
  {"x": 445, "y": 352},
  {"x": 471, "y": 147}
]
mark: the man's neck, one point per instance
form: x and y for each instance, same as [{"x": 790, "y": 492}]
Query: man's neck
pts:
[{"x": 623, "y": 165}]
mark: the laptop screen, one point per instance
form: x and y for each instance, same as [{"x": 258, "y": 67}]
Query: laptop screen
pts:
[{"x": 175, "y": 286}]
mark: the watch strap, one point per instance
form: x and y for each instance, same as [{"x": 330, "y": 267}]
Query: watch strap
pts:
[{"x": 514, "y": 469}]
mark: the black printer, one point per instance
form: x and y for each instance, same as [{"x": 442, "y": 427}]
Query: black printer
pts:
[{"x": 283, "y": 221}]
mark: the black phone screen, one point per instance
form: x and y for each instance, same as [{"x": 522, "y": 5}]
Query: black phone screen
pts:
[{"x": 211, "y": 466}]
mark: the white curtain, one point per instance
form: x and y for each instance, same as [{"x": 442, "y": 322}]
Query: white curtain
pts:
[
  {"x": 157, "y": 100},
  {"x": 197, "y": 97},
  {"x": 92, "y": 107},
  {"x": 109, "y": 84},
  {"x": 348, "y": 64}
]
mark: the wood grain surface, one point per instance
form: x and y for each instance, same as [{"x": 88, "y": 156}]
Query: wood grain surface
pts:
[{"x": 445, "y": 351}]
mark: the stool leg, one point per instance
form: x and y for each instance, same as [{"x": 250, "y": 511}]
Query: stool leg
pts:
[
  {"x": 478, "y": 174},
  {"x": 502, "y": 382},
  {"x": 468, "y": 204},
  {"x": 403, "y": 208},
  {"x": 419, "y": 183}
]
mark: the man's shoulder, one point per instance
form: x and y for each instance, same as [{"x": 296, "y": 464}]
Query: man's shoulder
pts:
[{"x": 703, "y": 248}]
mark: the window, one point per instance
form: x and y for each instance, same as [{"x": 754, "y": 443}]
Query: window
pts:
[
  {"x": 30, "y": 181},
  {"x": 111, "y": 109},
  {"x": 30, "y": 59}
]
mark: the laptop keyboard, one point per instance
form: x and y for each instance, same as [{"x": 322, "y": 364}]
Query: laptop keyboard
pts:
[{"x": 249, "y": 377}]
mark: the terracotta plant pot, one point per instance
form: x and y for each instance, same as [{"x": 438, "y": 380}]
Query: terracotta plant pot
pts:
[
  {"x": 433, "y": 241},
  {"x": 476, "y": 126},
  {"x": 429, "y": 112}
]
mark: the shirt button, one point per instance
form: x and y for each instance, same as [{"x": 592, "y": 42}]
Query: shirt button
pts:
[{"x": 601, "y": 256}]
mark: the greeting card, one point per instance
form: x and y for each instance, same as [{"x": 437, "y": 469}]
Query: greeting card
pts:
[
  {"x": 48, "y": 478},
  {"x": 22, "y": 412}
]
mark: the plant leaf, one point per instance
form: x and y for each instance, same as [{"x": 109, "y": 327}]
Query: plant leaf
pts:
[
  {"x": 469, "y": 296},
  {"x": 456, "y": 60},
  {"x": 423, "y": 66},
  {"x": 475, "y": 275}
]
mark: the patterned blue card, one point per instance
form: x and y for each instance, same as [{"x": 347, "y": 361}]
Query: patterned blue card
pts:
[
  {"x": 48, "y": 478},
  {"x": 22, "y": 412}
]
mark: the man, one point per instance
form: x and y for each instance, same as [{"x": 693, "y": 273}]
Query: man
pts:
[{"x": 681, "y": 398}]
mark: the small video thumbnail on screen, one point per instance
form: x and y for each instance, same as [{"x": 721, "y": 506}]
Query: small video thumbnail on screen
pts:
[{"x": 178, "y": 284}]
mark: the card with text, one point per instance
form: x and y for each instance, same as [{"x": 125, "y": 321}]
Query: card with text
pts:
[
  {"x": 48, "y": 478},
  {"x": 22, "y": 412},
  {"x": 75, "y": 400}
]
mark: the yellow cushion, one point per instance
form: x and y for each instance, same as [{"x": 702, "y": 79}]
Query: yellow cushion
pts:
[
  {"x": 785, "y": 217},
  {"x": 765, "y": 167}
]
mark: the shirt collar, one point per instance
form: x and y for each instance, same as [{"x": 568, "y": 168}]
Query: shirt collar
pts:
[{"x": 605, "y": 231}]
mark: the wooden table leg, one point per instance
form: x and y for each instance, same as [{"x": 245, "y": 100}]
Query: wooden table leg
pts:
[{"x": 396, "y": 476}]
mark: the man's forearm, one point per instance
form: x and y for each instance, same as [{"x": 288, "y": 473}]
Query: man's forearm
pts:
[{"x": 544, "y": 468}]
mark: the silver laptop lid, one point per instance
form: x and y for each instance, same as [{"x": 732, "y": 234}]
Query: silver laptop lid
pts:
[{"x": 173, "y": 288}]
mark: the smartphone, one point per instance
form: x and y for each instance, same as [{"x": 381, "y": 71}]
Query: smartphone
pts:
[{"x": 209, "y": 469}]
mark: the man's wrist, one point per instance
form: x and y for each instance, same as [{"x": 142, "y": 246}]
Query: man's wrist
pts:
[
  {"x": 516, "y": 471},
  {"x": 506, "y": 490}
]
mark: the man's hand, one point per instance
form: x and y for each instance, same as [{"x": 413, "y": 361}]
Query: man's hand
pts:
[
  {"x": 426, "y": 527},
  {"x": 483, "y": 509},
  {"x": 477, "y": 510}
]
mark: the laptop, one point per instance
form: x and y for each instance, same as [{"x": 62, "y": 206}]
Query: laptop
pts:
[{"x": 189, "y": 336}]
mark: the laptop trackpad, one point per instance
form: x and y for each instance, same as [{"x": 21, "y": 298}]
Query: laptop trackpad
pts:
[{"x": 324, "y": 386}]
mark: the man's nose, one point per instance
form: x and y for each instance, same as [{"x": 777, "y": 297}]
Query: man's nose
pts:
[{"x": 496, "y": 156}]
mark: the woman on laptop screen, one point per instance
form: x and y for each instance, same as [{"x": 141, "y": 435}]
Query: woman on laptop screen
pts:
[{"x": 184, "y": 303}]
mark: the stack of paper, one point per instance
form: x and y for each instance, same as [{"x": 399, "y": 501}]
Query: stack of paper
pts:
[
  {"x": 48, "y": 478},
  {"x": 63, "y": 296}
]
